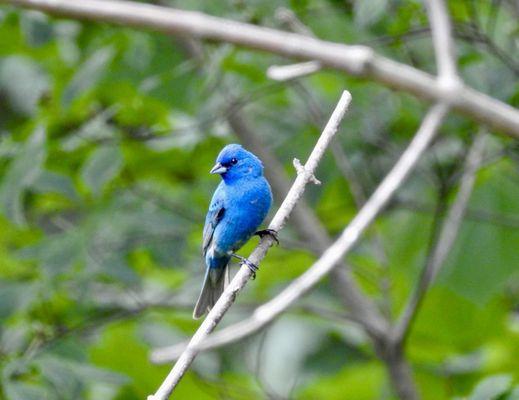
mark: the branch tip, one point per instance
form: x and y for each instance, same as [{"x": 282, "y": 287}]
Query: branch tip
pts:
[
  {"x": 302, "y": 170},
  {"x": 282, "y": 73}
]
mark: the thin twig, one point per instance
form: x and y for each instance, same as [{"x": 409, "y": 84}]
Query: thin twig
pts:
[
  {"x": 266, "y": 313},
  {"x": 446, "y": 239},
  {"x": 304, "y": 176}
]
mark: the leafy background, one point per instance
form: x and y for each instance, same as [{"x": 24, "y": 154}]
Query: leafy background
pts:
[{"x": 107, "y": 135}]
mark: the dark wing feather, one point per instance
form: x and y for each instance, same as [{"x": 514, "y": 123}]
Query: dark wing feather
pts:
[{"x": 213, "y": 217}]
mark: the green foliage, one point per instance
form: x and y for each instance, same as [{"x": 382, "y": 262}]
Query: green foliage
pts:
[{"x": 106, "y": 138}]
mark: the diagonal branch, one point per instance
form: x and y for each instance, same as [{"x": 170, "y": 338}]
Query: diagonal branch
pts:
[
  {"x": 304, "y": 176},
  {"x": 446, "y": 239},
  {"x": 356, "y": 60},
  {"x": 266, "y": 313}
]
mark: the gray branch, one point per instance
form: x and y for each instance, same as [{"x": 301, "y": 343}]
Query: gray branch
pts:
[{"x": 356, "y": 60}]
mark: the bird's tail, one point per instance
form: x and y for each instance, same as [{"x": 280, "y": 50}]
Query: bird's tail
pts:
[{"x": 215, "y": 282}]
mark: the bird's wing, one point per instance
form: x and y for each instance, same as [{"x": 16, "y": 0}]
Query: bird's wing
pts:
[{"x": 214, "y": 216}]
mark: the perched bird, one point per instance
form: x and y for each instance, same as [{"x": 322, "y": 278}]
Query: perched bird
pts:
[{"x": 238, "y": 207}]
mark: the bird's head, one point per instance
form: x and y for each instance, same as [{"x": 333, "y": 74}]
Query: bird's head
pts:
[{"x": 234, "y": 163}]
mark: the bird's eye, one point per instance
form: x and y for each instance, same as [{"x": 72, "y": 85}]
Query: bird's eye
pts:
[{"x": 234, "y": 161}]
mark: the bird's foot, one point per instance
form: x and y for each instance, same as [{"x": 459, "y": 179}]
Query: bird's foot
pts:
[
  {"x": 253, "y": 267},
  {"x": 268, "y": 232}
]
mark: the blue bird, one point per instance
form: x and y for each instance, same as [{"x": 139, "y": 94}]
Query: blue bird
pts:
[{"x": 238, "y": 207}]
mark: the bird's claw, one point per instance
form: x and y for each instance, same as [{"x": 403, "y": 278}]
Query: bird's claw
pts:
[
  {"x": 253, "y": 267},
  {"x": 269, "y": 232}
]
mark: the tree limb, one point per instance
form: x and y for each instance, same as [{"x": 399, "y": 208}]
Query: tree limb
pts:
[{"x": 356, "y": 60}]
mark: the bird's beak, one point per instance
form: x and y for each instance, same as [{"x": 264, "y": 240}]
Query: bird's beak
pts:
[{"x": 218, "y": 169}]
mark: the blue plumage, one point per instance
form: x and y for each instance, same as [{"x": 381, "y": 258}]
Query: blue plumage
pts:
[{"x": 238, "y": 207}]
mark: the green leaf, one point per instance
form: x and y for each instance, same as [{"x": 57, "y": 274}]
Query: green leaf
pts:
[
  {"x": 106, "y": 353},
  {"x": 101, "y": 167},
  {"x": 24, "y": 391},
  {"x": 57, "y": 253},
  {"x": 88, "y": 75},
  {"x": 36, "y": 28},
  {"x": 113, "y": 265},
  {"x": 361, "y": 381},
  {"x": 22, "y": 172},
  {"x": 284, "y": 349},
  {"x": 15, "y": 336},
  {"x": 492, "y": 387},
  {"x": 14, "y": 296},
  {"x": 485, "y": 254},
  {"x": 23, "y": 83},
  {"x": 367, "y": 12},
  {"x": 59, "y": 374},
  {"x": 514, "y": 394},
  {"x": 69, "y": 377},
  {"x": 53, "y": 182},
  {"x": 95, "y": 129}
]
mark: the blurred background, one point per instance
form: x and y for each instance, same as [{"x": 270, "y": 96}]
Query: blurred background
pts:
[{"x": 107, "y": 135}]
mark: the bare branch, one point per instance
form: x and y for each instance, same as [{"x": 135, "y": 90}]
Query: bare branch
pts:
[
  {"x": 443, "y": 43},
  {"x": 266, "y": 313},
  {"x": 304, "y": 176},
  {"x": 355, "y": 60},
  {"x": 446, "y": 238}
]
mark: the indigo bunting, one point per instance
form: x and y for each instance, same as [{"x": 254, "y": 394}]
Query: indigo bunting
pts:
[{"x": 239, "y": 205}]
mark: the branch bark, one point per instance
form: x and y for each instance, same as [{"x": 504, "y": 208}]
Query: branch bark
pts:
[
  {"x": 356, "y": 60},
  {"x": 305, "y": 174}
]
